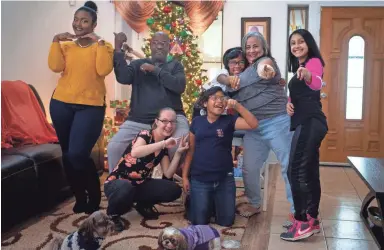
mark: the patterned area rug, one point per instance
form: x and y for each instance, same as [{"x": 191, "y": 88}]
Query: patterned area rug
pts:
[{"x": 140, "y": 233}]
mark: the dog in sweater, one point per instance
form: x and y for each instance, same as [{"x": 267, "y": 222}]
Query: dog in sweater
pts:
[
  {"x": 199, "y": 237},
  {"x": 89, "y": 236}
]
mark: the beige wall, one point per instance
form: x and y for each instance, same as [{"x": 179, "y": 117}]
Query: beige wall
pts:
[{"x": 27, "y": 29}]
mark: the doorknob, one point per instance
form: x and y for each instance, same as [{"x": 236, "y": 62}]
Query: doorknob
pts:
[
  {"x": 323, "y": 95},
  {"x": 323, "y": 84}
]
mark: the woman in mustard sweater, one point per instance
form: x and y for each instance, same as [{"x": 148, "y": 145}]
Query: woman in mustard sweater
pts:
[{"x": 77, "y": 106}]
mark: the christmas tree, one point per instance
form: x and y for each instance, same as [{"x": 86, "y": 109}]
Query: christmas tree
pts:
[{"x": 171, "y": 19}]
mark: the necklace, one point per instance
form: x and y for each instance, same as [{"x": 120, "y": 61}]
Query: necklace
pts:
[{"x": 82, "y": 46}]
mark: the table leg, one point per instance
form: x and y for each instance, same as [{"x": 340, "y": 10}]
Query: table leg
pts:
[
  {"x": 364, "y": 206},
  {"x": 376, "y": 232},
  {"x": 380, "y": 203}
]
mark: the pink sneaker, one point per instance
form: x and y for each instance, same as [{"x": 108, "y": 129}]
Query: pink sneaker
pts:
[
  {"x": 314, "y": 223},
  {"x": 289, "y": 222},
  {"x": 299, "y": 230}
]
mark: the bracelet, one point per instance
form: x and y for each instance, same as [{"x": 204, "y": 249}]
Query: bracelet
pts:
[{"x": 101, "y": 40}]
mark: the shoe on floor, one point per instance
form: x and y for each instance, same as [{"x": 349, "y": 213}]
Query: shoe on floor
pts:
[
  {"x": 91, "y": 209},
  {"x": 148, "y": 212},
  {"x": 314, "y": 223},
  {"x": 80, "y": 207},
  {"x": 299, "y": 231},
  {"x": 119, "y": 226},
  {"x": 289, "y": 222}
]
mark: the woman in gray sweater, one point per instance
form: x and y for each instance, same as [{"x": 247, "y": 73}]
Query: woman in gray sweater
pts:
[{"x": 260, "y": 92}]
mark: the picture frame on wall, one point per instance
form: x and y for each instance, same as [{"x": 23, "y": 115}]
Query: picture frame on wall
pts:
[{"x": 260, "y": 24}]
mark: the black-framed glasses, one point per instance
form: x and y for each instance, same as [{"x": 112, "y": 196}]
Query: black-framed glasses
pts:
[
  {"x": 166, "y": 122},
  {"x": 217, "y": 98},
  {"x": 234, "y": 63}
]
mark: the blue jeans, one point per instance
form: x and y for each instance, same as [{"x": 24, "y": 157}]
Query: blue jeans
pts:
[
  {"x": 222, "y": 194},
  {"x": 272, "y": 134}
]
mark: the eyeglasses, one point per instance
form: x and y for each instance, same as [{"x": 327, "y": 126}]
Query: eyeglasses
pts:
[
  {"x": 166, "y": 122},
  {"x": 162, "y": 43},
  {"x": 234, "y": 63},
  {"x": 221, "y": 98}
]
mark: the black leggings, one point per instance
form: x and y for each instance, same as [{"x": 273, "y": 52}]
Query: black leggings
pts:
[
  {"x": 304, "y": 168},
  {"x": 78, "y": 127},
  {"x": 121, "y": 194}
]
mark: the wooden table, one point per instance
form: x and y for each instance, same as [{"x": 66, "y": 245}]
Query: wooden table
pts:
[{"x": 371, "y": 171}]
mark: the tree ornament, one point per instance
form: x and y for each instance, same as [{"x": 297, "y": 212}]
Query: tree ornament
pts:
[
  {"x": 150, "y": 21},
  {"x": 173, "y": 24},
  {"x": 167, "y": 26},
  {"x": 198, "y": 82},
  {"x": 176, "y": 49},
  {"x": 183, "y": 33},
  {"x": 196, "y": 94},
  {"x": 169, "y": 58},
  {"x": 167, "y": 9}
]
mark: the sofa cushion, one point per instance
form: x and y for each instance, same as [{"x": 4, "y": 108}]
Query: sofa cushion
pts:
[
  {"x": 39, "y": 153},
  {"x": 14, "y": 164}
]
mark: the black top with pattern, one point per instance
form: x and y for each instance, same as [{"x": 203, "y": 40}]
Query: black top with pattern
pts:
[{"x": 137, "y": 170}]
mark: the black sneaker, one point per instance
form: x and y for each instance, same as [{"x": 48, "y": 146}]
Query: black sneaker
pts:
[
  {"x": 80, "y": 207},
  {"x": 119, "y": 226},
  {"x": 91, "y": 209},
  {"x": 148, "y": 212}
]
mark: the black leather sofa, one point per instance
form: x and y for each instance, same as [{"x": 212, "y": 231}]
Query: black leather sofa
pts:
[{"x": 33, "y": 179}]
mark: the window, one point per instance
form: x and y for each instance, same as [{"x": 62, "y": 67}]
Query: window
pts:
[
  {"x": 211, "y": 46},
  {"x": 297, "y": 19},
  {"x": 355, "y": 78}
]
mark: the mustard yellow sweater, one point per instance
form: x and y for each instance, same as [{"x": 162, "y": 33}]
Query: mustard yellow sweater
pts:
[{"x": 83, "y": 72}]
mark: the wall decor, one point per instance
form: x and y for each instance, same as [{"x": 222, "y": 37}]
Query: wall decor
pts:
[{"x": 259, "y": 24}]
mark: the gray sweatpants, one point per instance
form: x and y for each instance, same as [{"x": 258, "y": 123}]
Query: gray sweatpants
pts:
[{"x": 127, "y": 132}]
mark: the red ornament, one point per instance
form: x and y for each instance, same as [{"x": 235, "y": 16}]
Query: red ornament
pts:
[
  {"x": 173, "y": 24},
  {"x": 188, "y": 53},
  {"x": 167, "y": 9},
  {"x": 198, "y": 82}
]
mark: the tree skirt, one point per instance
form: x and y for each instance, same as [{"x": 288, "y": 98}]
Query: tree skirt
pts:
[{"x": 140, "y": 234}]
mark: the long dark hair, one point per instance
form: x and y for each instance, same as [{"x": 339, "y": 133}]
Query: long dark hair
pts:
[
  {"x": 313, "y": 49},
  {"x": 230, "y": 54}
]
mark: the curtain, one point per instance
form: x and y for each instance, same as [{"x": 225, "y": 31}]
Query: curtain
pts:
[
  {"x": 136, "y": 13},
  {"x": 201, "y": 13}
]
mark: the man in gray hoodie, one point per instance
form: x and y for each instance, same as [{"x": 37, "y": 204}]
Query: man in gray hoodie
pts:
[{"x": 156, "y": 84}]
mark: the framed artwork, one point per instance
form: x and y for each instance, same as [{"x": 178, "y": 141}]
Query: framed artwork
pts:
[{"x": 259, "y": 24}]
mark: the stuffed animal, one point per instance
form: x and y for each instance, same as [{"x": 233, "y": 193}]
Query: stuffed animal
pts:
[{"x": 202, "y": 237}]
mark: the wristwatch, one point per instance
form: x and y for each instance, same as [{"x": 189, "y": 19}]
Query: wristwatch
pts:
[{"x": 101, "y": 40}]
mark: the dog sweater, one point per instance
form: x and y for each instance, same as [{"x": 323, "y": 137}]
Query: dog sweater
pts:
[
  {"x": 76, "y": 241},
  {"x": 198, "y": 237}
]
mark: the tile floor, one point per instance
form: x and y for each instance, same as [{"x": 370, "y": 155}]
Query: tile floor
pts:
[{"x": 342, "y": 228}]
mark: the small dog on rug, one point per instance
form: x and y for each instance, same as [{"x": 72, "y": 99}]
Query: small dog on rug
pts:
[
  {"x": 90, "y": 235},
  {"x": 199, "y": 237}
]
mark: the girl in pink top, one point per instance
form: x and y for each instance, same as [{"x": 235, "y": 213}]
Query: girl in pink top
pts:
[{"x": 310, "y": 127}]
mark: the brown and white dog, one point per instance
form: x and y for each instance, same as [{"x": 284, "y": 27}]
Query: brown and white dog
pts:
[{"x": 90, "y": 235}]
